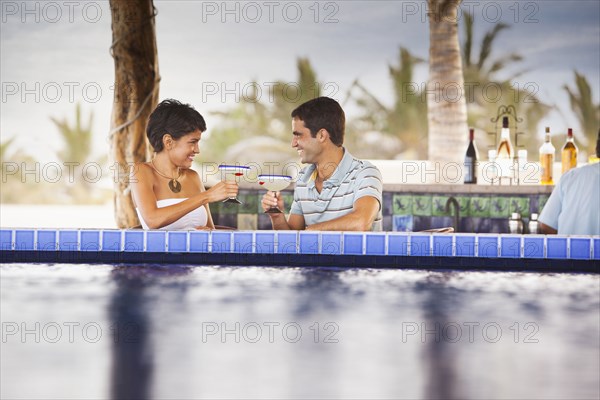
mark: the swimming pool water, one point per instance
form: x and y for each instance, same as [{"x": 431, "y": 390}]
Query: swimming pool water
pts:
[{"x": 102, "y": 331}]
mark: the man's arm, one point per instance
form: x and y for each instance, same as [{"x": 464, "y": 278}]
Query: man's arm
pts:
[
  {"x": 547, "y": 230},
  {"x": 364, "y": 212},
  {"x": 295, "y": 222}
]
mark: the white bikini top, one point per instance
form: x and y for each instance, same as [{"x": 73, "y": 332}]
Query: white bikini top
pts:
[{"x": 191, "y": 220}]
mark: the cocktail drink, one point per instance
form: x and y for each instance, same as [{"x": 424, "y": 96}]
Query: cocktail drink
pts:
[
  {"x": 232, "y": 173},
  {"x": 274, "y": 183}
]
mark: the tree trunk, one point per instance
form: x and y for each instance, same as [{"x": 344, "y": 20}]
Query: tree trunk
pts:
[
  {"x": 135, "y": 95},
  {"x": 446, "y": 105}
]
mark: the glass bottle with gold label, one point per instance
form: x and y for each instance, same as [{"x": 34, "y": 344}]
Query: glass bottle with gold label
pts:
[
  {"x": 568, "y": 154},
  {"x": 547, "y": 160}
]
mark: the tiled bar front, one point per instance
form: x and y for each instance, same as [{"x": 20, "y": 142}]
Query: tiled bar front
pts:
[
  {"x": 126, "y": 245},
  {"x": 411, "y": 208}
]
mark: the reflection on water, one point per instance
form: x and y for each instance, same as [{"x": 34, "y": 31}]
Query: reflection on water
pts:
[{"x": 77, "y": 331}]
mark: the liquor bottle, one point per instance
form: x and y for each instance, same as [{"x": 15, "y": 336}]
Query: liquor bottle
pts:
[
  {"x": 547, "y": 160},
  {"x": 505, "y": 152},
  {"x": 471, "y": 160},
  {"x": 569, "y": 153},
  {"x": 593, "y": 158}
]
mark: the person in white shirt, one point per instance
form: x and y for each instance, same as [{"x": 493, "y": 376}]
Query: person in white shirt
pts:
[{"x": 574, "y": 205}]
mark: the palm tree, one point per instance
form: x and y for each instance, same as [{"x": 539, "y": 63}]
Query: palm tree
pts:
[
  {"x": 136, "y": 94},
  {"x": 77, "y": 138},
  {"x": 255, "y": 129},
  {"x": 447, "y": 109},
  {"x": 77, "y": 150},
  {"x": 481, "y": 73},
  {"x": 17, "y": 187},
  {"x": 400, "y": 130},
  {"x": 586, "y": 111}
]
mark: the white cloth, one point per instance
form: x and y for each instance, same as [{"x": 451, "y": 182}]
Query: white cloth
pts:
[
  {"x": 191, "y": 220},
  {"x": 574, "y": 205}
]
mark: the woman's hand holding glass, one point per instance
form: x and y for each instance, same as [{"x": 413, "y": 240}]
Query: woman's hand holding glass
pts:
[
  {"x": 232, "y": 173},
  {"x": 222, "y": 191}
]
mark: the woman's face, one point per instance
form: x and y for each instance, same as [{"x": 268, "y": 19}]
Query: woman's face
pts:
[{"x": 184, "y": 149}]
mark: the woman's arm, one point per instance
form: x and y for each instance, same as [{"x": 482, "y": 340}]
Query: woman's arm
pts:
[
  {"x": 209, "y": 221},
  {"x": 155, "y": 218}
]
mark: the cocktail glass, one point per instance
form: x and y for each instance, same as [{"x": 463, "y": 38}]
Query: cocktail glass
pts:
[
  {"x": 232, "y": 173},
  {"x": 274, "y": 183}
]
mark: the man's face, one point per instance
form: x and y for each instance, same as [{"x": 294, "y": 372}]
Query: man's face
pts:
[{"x": 307, "y": 146}]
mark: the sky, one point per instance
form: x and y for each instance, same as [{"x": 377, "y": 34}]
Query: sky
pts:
[{"x": 54, "y": 54}]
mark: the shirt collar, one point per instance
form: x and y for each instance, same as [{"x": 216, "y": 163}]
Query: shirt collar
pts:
[{"x": 337, "y": 176}]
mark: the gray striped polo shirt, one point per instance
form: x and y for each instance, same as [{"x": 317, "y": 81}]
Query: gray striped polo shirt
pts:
[{"x": 351, "y": 180}]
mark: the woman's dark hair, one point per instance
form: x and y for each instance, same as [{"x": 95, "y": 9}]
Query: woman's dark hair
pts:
[
  {"x": 323, "y": 113},
  {"x": 173, "y": 118}
]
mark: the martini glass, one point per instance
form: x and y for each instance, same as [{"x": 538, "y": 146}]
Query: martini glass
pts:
[
  {"x": 232, "y": 173},
  {"x": 274, "y": 183}
]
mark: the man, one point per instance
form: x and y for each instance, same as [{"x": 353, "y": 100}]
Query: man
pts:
[
  {"x": 574, "y": 205},
  {"x": 337, "y": 192}
]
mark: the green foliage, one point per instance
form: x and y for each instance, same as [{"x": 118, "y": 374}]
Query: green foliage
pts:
[
  {"x": 404, "y": 125},
  {"x": 77, "y": 150},
  {"x": 588, "y": 113},
  {"x": 485, "y": 91},
  {"x": 76, "y": 137},
  {"x": 261, "y": 115}
]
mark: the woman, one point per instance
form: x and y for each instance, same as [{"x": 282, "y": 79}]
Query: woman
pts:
[{"x": 166, "y": 192}]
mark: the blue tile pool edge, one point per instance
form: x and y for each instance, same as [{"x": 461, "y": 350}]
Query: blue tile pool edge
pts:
[{"x": 394, "y": 249}]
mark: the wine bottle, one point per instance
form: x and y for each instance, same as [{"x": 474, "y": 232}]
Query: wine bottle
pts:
[
  {"x": 471, "y": 160},
  {"x": 594, "y": 158},
  {"x": 568, "y": 154},
  {"x": 505, "y": 152},
  {"x": 547, "y": 160}
]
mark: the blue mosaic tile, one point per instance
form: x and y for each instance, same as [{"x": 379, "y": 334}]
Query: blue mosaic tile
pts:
[
  {"x": 199, "y": 241},
  {"x": 375, "y": 244},
  {"x": 90, "y": 241},
  {"x": 465, "y": 246},
  {"x": 46, "y": 240},
  {"x": 442, "y": 246},
  {"x": 67, "y": 240},
  {"x": 309, "y": 243},
  {"x": 596, "y": 249},
  {"x": 556, "y": 247},
  {"x": 265, "y": 242},
  {"x": 510, "y": 246},
  {"x": 5, "y": 239},
  {"x": 397, "y": 245},
  {"x": 24, "y": 239},
  {"x": 580, "y": 248},
  {"x": 242, "y": 242},
  {"x": 533, "y": 247},
  {"x": 331, "y": 243},
  {"x": 221, "y": 242},
  {"x": 419, "y": 245},
  {"x": 287, "y": 243},
  {"x": 403, "y": 223},
  {"x": 353, "y": 243},
  {"x": 156, "y": 242},
  {"x": 488, "y": 246},
  {"x": 134, "y": 241},
  {"x": 177, "y": 241},
  {"x": 111, "y": 241}
]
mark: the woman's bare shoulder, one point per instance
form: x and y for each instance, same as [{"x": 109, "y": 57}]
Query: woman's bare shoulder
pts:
[{"x": 143, "y": 169}]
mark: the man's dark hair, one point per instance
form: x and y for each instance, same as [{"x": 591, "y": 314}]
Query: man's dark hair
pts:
[
  {"x": 323, "y": 113},
  {"x": 173, "y": 118}
]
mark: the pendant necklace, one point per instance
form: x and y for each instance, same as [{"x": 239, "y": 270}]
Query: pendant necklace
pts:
[{"x": 174, "y": 184}]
